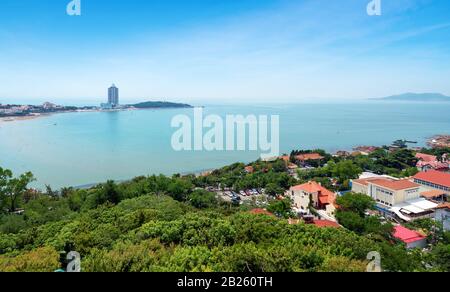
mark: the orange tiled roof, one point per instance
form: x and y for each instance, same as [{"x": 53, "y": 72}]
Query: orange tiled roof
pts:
[
  {"x": 396, "y": 185},
  {"x": 444, "y": 206},
  {"x": 309, "y": 156},
  {"x": 260, "y": 212},
  {"x": 326, "y": 196},
  {"x": 249, "y": 169},
  {"x": 326, "y": 223},
  {"x": 426, "y": 157},
  {"x": 436, "y": 177},
  {"x": 436, "y": 165},
  {"x": 286, "y": 158},
  {"x": 365, "y": 181},
  {"x": 432, "y": 194}
]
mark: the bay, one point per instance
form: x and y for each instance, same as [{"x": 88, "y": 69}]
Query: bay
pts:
[{"x": 74, "y": 149}]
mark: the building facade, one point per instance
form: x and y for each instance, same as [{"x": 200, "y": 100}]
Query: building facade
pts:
[
  {"x": 434, "y": 180},
  {"x": 113, "y": 96},
  {"x": 313, "y": 194}
]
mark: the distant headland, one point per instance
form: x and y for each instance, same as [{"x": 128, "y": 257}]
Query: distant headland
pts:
[
  {"x": 10, "y": 112},
  {"x": 420, "y": 97}
]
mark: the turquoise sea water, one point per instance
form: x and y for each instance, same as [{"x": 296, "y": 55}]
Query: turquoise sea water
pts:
[{"x": 82, "y": 148}]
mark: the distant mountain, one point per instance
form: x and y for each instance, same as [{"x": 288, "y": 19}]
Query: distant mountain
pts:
[
  {"x": 416, "y": 97},
  {"x": 160, "y": 104}
]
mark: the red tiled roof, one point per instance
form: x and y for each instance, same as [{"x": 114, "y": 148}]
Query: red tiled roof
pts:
[
  {"x": 396, "y": 185},
  {"x": 406, "y": 235},
  {"x": 436, "y": 177},
  {"x": 325, "y": 196},
  {"x": 436, "y": 165},
  {"x": 249, "y": 169},
  {"x": 432, "y": 194},
  {"x": 260, "y": 212},
  {"x": 326, "y": 223},
  {"x": 309, "y": 156},
  {"x": 444, "y": 206},
  {"x": 426, "y": 157},
  {"x": 286, "y": 158},
  {"x": 365, "y": 181}
]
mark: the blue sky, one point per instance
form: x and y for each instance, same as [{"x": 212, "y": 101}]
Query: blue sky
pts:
[{"x": 223, "y": 50}]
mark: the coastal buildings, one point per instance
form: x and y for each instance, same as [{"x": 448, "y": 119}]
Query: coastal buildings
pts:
[
  {"x": 443, "y": 215},
  {"x": 387, "y": 192},
  {"x": 412, "y": 239},
  {"x": 430, "y": 162},
  {"x": 433, "y": 180},
  {"x": 398, "y": 199},
  {"x": 313, "y": 194}
]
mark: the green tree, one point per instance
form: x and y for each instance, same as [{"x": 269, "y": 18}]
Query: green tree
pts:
[
  {"x": 13, "y": 189},
  {"x": 273, "y": 189},
  {"x": 345, "y": 170},
  {"x": 202, "y": 199},
  {"x": 281, "y": 208},
  {"x": 108, "y": 193},
  {"x": 354, "y": 202}
]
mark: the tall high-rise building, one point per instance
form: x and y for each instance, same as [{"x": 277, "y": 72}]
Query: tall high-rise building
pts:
[{"x": 113, "y": 96}]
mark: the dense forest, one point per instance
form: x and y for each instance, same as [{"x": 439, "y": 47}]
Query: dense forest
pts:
[{"x": 160, "y": 223}]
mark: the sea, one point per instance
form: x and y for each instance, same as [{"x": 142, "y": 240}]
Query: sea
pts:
[{"x": 84, "y": 148}]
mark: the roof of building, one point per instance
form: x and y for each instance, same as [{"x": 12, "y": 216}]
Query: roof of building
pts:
[
  {"x": 444, "y": 206},
  {"x": 326, "y": 223},
  {"x": 325, "y": 196},
  {"x": 396, "y": 185},
  {"x": 365, "y": 181},
  {"x": 286, "y": 158},
  {"x": 292, "y": 166},
  {"x": 413, "y": 207},
  {"x": 436, "y": 177},
  {"x": 432, "y": 194},
  {"x": 426, "y": 157},
  {"x": 309, "y": 156},
  {"x": 407, "y": 235},
  {"x": 436, "y": 165},
  {"x": 260, "y": 212},
  {"x": 249, "y": 169}
]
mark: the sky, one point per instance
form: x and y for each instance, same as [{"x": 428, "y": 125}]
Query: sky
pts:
[{"x": 256, "y": 51}]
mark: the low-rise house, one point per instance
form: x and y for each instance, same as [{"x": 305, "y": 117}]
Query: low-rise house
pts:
[
  {"x": 434, "y": 195},
  {"x": 414, "y": 209},
  {"x": 249, "y": 169},
  {"x": 433, "y": 180},
  {"x": 326, "y": 224},
  {"x": 361, "y": 184},
  {"x": 399, "y": 199},
  {"x": 366, "y": 150},
  {"x": 309, "y": 156},
  {"x": 443, "y": 215},
  {"x": 313, "y": 194},
  {"x": 389, "y": 192},
  {"x": 430, "y": 162},
  {"x": 261, "y": 212},
  {"x": 412, "y": 239},
  {"x": 343, "y": 153}
]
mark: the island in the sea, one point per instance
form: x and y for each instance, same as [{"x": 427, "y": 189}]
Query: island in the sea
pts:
[
  {"x": 17, "y": 111},
  {"x": 418, "y": 97}
]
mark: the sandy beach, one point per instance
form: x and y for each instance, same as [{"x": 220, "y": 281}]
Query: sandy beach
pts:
[{"x": 23, "y": 118}]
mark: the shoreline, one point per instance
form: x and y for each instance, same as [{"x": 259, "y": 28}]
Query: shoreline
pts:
[{"x": 40, "y": 115}]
